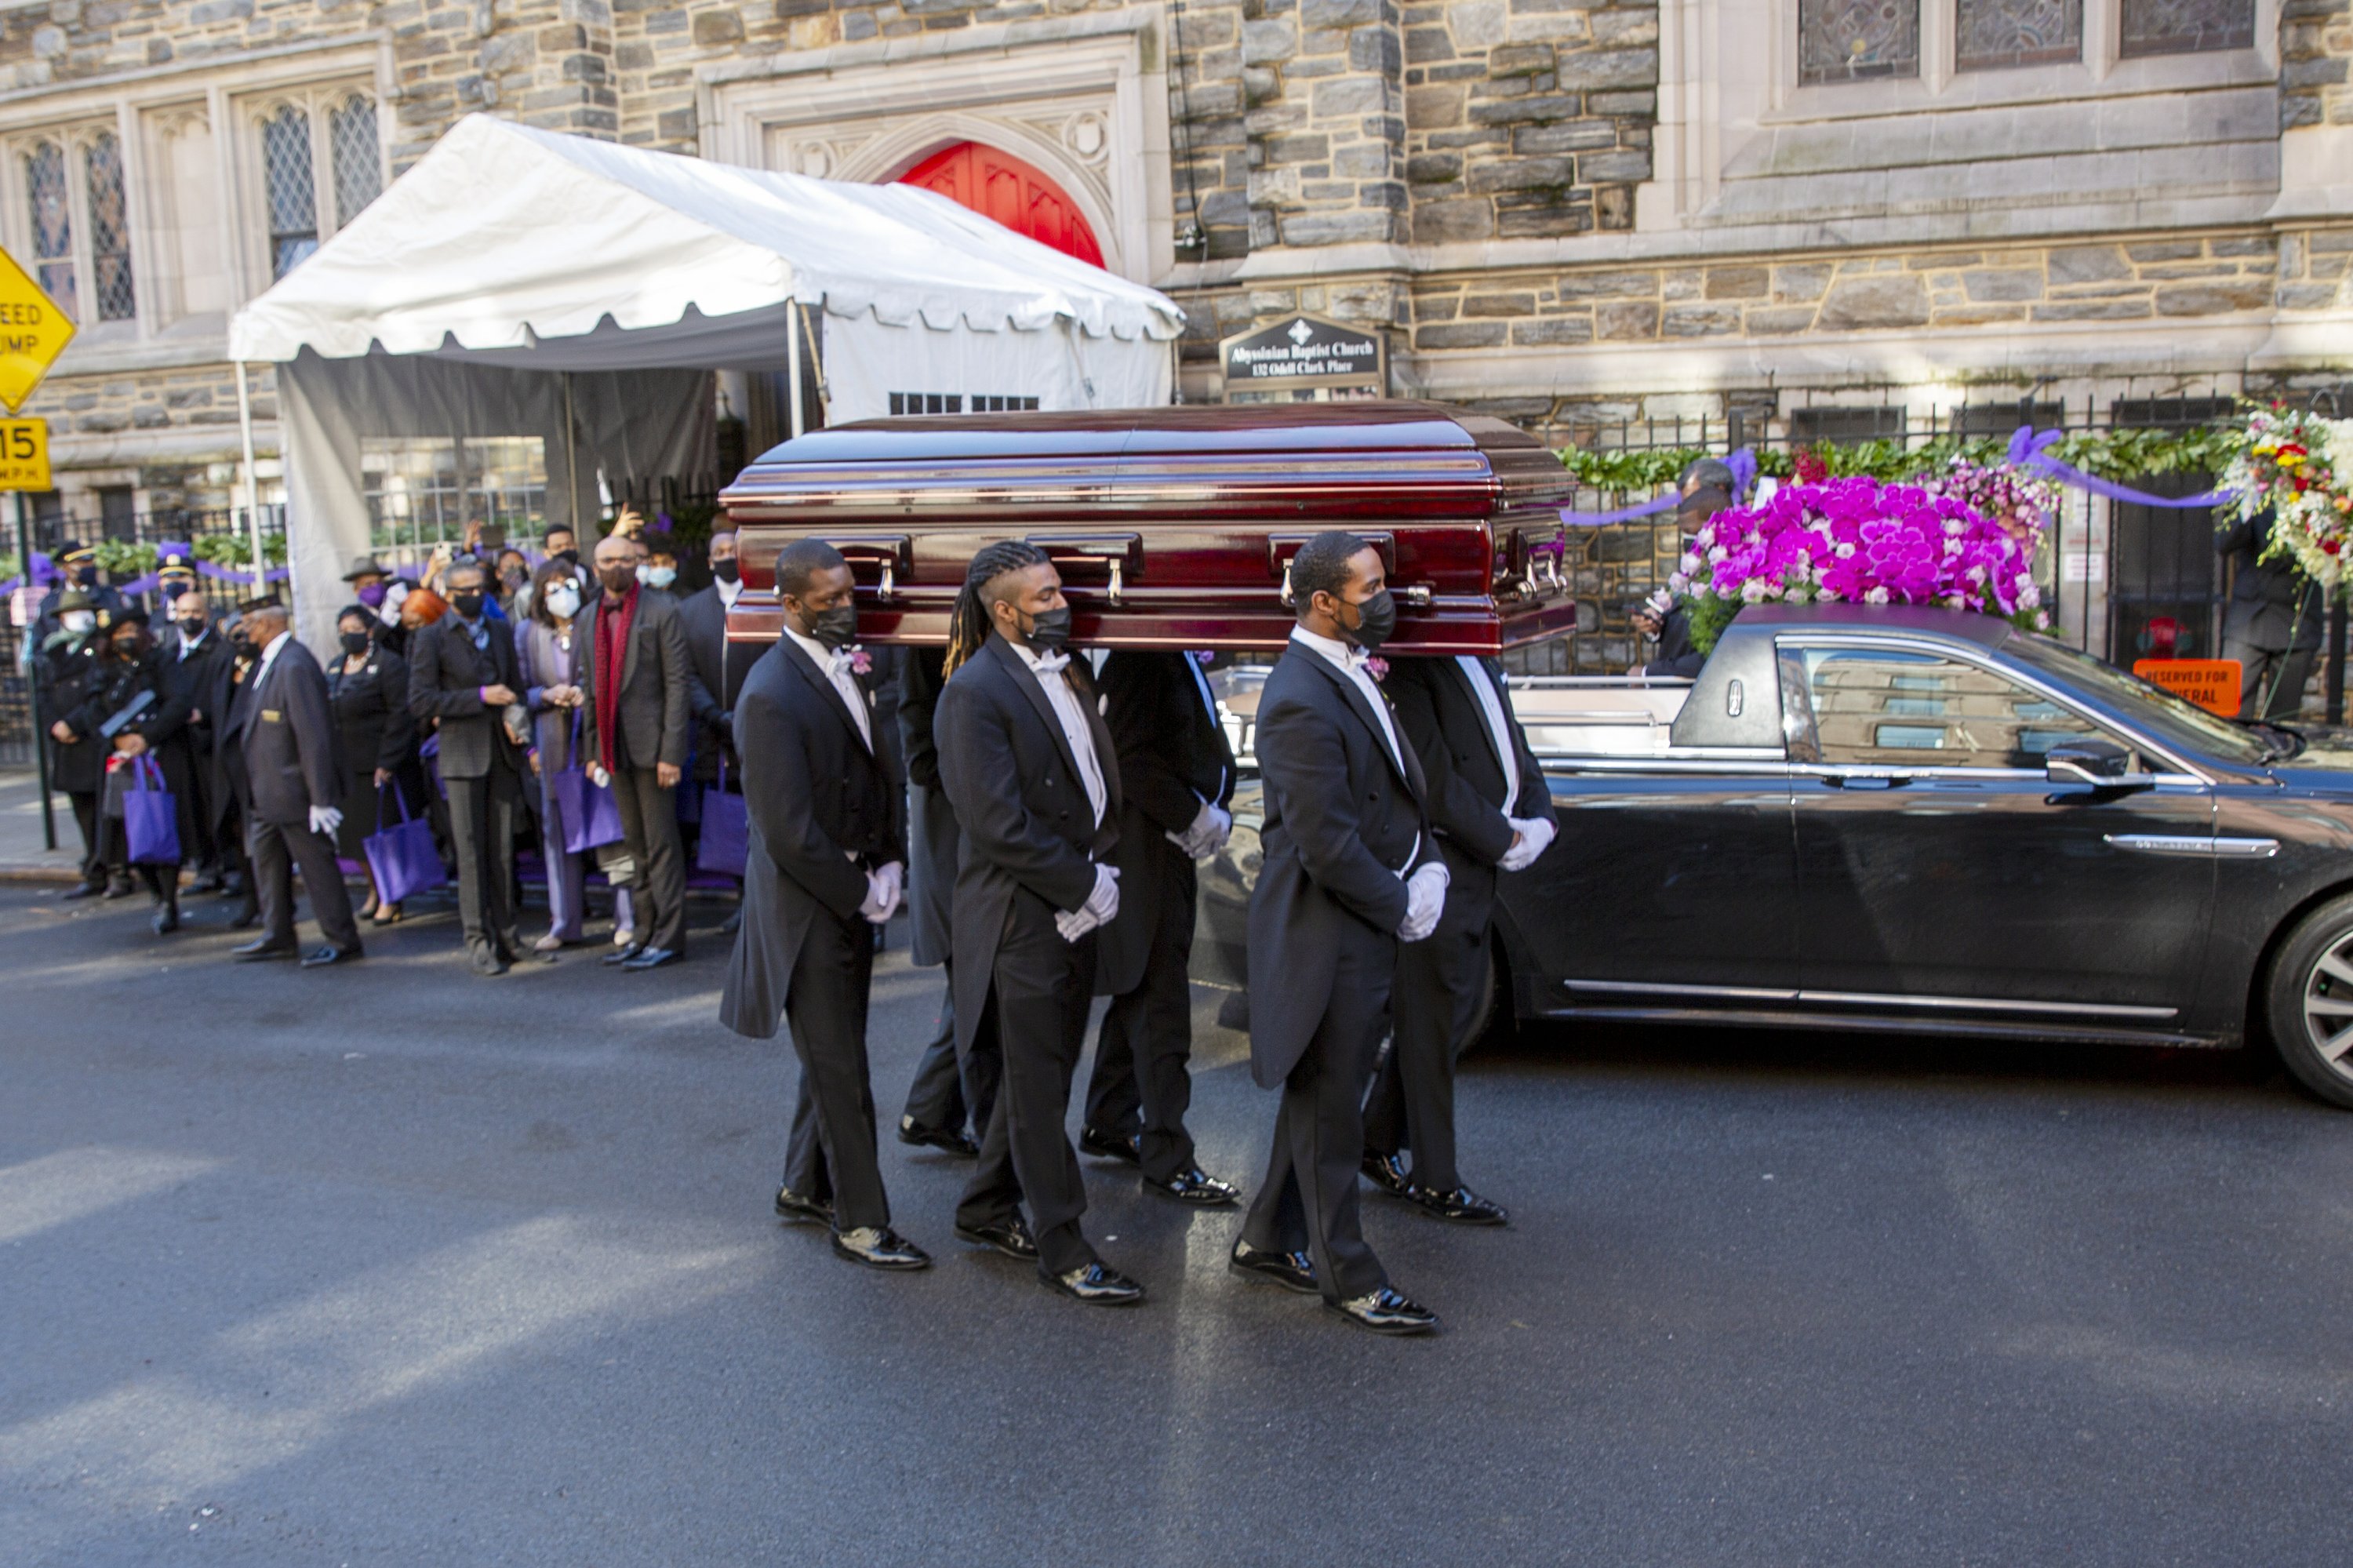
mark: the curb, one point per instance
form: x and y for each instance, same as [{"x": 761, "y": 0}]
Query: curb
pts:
[{"x": 60, "y": 875}]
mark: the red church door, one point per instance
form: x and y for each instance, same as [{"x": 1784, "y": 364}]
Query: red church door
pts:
[{"x": 1018, "y": 194}]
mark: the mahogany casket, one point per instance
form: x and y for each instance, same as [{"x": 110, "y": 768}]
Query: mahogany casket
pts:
[{"x": 1172, "y": 527}]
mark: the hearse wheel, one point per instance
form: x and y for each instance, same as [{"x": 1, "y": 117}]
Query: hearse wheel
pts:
[{"x": 2310, "y": 1004}]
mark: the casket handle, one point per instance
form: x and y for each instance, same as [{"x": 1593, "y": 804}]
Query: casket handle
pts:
[
  {"x": 888, "y": 554},
  {"x": 1119, "y": 552}
]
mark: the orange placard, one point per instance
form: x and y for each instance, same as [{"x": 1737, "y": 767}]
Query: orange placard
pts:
[{"x": 2212, "y": 683}]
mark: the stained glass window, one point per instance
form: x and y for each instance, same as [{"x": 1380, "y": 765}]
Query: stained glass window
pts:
[
  {"x": 2187, "y": 27},
  {"x": 359, "y": 171},
  {"x": 53, "y": 254},
  {"x": 110, "y": 230},
  {"x": 1852, "y": 40},
  {"x": 1993, "y": 34},
  {"x": 293, "y": 193}
]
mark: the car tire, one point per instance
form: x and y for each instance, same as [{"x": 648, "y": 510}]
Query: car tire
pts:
[{"x": 2308, "y": 1002}]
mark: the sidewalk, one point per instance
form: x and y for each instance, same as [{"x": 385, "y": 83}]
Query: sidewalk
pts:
[{"x": 22, "y": 858}]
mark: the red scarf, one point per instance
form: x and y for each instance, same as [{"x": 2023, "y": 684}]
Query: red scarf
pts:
[{"x": 611, "y": 654}]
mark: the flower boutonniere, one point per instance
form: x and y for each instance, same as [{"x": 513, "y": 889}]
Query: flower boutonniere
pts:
[
  {"x": 861, "y": 661},
  {"x": 1204, "y": 657},
  {"x": 1378, "y": 669}
]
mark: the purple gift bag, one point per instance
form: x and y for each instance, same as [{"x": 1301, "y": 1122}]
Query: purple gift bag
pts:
[
  {"x": 726, "y": 843},
  {"x": 150, "y": 816},
  {"x": 592, "y": 817},
  {"x": 401, "y": 853}
]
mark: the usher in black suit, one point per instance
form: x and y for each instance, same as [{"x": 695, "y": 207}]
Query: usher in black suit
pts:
[
  {"x": 1173, "y": 759},
  {"x": 482, "y": 769},
  {"x": 1345, "y": 825},
  {"x": 285, "y": 731},
  {"x": 824, "y": 809},
  {"x": 1441, "y": 717},
  {"x": 1031, "y": 845}
]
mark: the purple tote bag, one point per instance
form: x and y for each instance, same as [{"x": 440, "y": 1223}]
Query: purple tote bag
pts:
[
  {"x": 401, "y": 853},
  {"x": 726, "y": 843},
  {"x": 151, "y": 819},
  {"x": 592, "y": 817}
]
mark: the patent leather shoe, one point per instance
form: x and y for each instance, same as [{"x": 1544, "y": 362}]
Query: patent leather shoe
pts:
[
  {"x": 620, "y": 956},
  {"x": 792, "y": 1205},
  {"x": 650, "y": 957},
  {"x": 1109, "y": 1145},
  {"x": 1459, "y": 1205},
  {"x": 254, "y": 952},
  {"x": 1387, "y": 1171},
  {"x": 1383, "y": 1311},
  {"x": 319, "y": 957},
  {"x": 947, "y": 1140},
  {"x": 1195, "y": 1187},
  {"x": 1012, "y": 1238},
  {"x": 879, "y": 1247},
  {"x": 1295, "y": 1271},
  {"x": 1097, "y": 1285}
]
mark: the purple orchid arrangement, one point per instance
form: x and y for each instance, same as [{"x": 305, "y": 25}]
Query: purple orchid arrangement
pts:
[
  {"x": 2016, "y": 500},
  {"x": 1858, "y": 540}
]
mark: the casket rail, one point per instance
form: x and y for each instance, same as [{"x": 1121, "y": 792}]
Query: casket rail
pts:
[{"x": 1173, "y": 527}]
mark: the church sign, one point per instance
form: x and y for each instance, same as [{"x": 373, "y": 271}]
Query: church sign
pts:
[{"x": 1304, "y": 352}]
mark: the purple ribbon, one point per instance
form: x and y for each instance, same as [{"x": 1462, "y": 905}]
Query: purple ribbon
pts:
[
  {"x": 1743, "y": 464},
  {"x": 2027, "y": 450},
  {"x": 44, "y": 571}
]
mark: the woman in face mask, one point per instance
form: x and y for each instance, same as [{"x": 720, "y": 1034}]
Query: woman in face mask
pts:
[
  {"x": 367, "y": 687},
  {"x": 552, "y": 654},
  {"x": 660, "y": 570},
  {"x": 131, "y": 685},
  {"x": 66, "y": 667}
]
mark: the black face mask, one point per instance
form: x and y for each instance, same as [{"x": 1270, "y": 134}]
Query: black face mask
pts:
[
  {"x": 1049, "y": 629},
  {"x": 355, "y": 642},
  {"x": 192, "y": 625},
  {"x": 86, "y": 576},
  {"x": 1377, "y": 619},
  {"x": 835, "y": 627},
  {"x": 569, "y": 556},
  {"x": 127, "y": 648},
  {"x": 726, "y": 570},
  {"x": 468, "y": 604}
]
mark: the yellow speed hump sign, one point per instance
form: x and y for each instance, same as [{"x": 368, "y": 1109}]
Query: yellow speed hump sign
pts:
[
  {"x": 25, "y": 454},
  {"x": 33, "y": 333}
]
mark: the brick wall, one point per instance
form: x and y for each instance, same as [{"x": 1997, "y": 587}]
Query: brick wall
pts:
[{"x": 2315, "y": 51}]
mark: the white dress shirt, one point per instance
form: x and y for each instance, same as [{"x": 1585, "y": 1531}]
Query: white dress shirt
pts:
[
  {"x": 836, "y": 668},
  {"x": 269, "y": 655},
  {"x": 1055, "y": 678},
  {"x": 727, "y": 590},
  {"x": 188, "y": 647},
  {"x": 1499, "y": 731},
  {"x": 1350, "y": 662}
]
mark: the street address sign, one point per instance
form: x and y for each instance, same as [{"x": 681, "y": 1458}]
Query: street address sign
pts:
[
  {"x": 25, "y": 454},
  {"x": 33, "y": 333}
]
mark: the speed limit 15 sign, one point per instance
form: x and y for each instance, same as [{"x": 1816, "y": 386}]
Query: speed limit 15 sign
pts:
[{"x": 25, "y": 454}]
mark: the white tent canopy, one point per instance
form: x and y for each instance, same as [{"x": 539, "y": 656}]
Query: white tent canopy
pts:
[{"x": 508, "y": 249}]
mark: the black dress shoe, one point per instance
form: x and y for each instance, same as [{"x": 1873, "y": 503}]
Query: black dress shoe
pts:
[
  {"x": 1109, "y": 1145},
  {"x": 1386, "y": 1312},
  {"x": 1458, "y": 1206},
  {"x": 252, "y": 952},
  {"x": 319, "y": 957},
  {"x": 1012, "y": 1238},
  {"x": 879, "y": 1247},
  {"x": 620, "y": 956},
  {"x": 1195, "y": 1187},
  {"x": 1295, "y": 1271},
  {"x": 1387, "y": 1171},
  {"x": 87, "y": 890},
  {"x": 945, "y": 1139},
  {"x": 166, "y": 919},
  {"x": 792, "y": 1205},
  {"x": 1097, "y": 1285},
  {"x": 652, "y": 957},
  {"x": 487, "y": 963}
]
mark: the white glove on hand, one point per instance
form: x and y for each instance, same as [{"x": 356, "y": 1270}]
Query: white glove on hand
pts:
[
  {"x": 325, "y": 819},
  {"x": 1100, "y": 907},
  {"x": 1425, "y": 900},
  {"x": 599, "y": 777},
  {"x": 1206, "y": 835},
  {"x": 884, "y": 889},
  {"x": 1535, "y": 836}
]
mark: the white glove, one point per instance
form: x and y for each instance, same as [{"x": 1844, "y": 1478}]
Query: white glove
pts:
[
  {"x": 599, "y": 777},
  {"x": 325, "y": 819},
  {"x": 1425, "y": 899},
  {"x": 1535, "y": 836},
  {"x": 883, "y": 888},
  {"x": 1100, "y": 907},
  {"x": 1207, "y": 834}
]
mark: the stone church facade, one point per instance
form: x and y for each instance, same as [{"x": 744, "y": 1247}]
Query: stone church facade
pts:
[{"x": 1831, "y": 215}]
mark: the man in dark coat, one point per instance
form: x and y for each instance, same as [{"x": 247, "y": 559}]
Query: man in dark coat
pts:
[
  {"x": 635, "y": 708},
  {"x": 132, "y": 709},
  {"x": 1031, "y": 771},
  {"x": 67, "y": 665},
  {"x": 937, "y": 1101},
  {"x": 462, "y": 674},
  {"x": 79, "y": 562},
  {"x": 1350, "y": 870},
  {"x": 827, "y": 866},
  {"x": 284, "y": 730},
  {"x": 2273, "y": 626},
  {"x": 1493, "y": 812},
  {"x": 227, "y": 805},
  {"x": 712, "y": 686},
  {"x": 1660, "y": 619},
  {"x": 1176, "y": 773},
  {"x": 193, "y": 654}
]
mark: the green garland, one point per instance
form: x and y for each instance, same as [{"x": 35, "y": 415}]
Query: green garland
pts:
[{"x": 2108, "y": 454}]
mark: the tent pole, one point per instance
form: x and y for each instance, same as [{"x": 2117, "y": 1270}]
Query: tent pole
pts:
[
  {"x": 252, "y": 483},
  {"x": 793, "y": 377},
  {"x": 570, "y": 462}
]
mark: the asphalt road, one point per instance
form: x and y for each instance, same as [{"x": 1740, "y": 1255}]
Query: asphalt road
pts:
[{"x": 396, "y": 1266}]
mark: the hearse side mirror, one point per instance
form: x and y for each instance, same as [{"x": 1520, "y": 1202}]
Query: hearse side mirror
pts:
[{"x": 2102, "y": 763}]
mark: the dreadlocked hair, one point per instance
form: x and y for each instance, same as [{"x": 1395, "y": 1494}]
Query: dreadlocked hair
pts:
[{"x": 968, "y": 623}]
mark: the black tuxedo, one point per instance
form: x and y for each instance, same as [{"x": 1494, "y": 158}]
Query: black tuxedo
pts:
[
  {"x": 284, "y": 729},
  {"x": 1173, "y": 759},
  {"x": 824, "y": 809},
  {"x": 1438, "y": 982},
  {"x": 946, "y": 1089},
  {"x": 1345, "y": 824},
  {"x": 481, "y": 769},
  {"x": 1031, "y": 845}
]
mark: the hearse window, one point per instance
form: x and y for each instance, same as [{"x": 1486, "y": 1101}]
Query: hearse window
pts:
[{"x": 1885, "y": 708}]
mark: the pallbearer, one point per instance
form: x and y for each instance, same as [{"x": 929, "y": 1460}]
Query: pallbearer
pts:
[
  {"x": 1350, "y": 871},
  {"x": 825, "y": 866},
  {"x": 1491, "y": 812}
]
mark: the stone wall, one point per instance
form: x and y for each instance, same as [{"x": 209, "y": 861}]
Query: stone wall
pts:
[
  {"x": 542, "y": 62},
  {"x": 2316, "y": 52}
]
